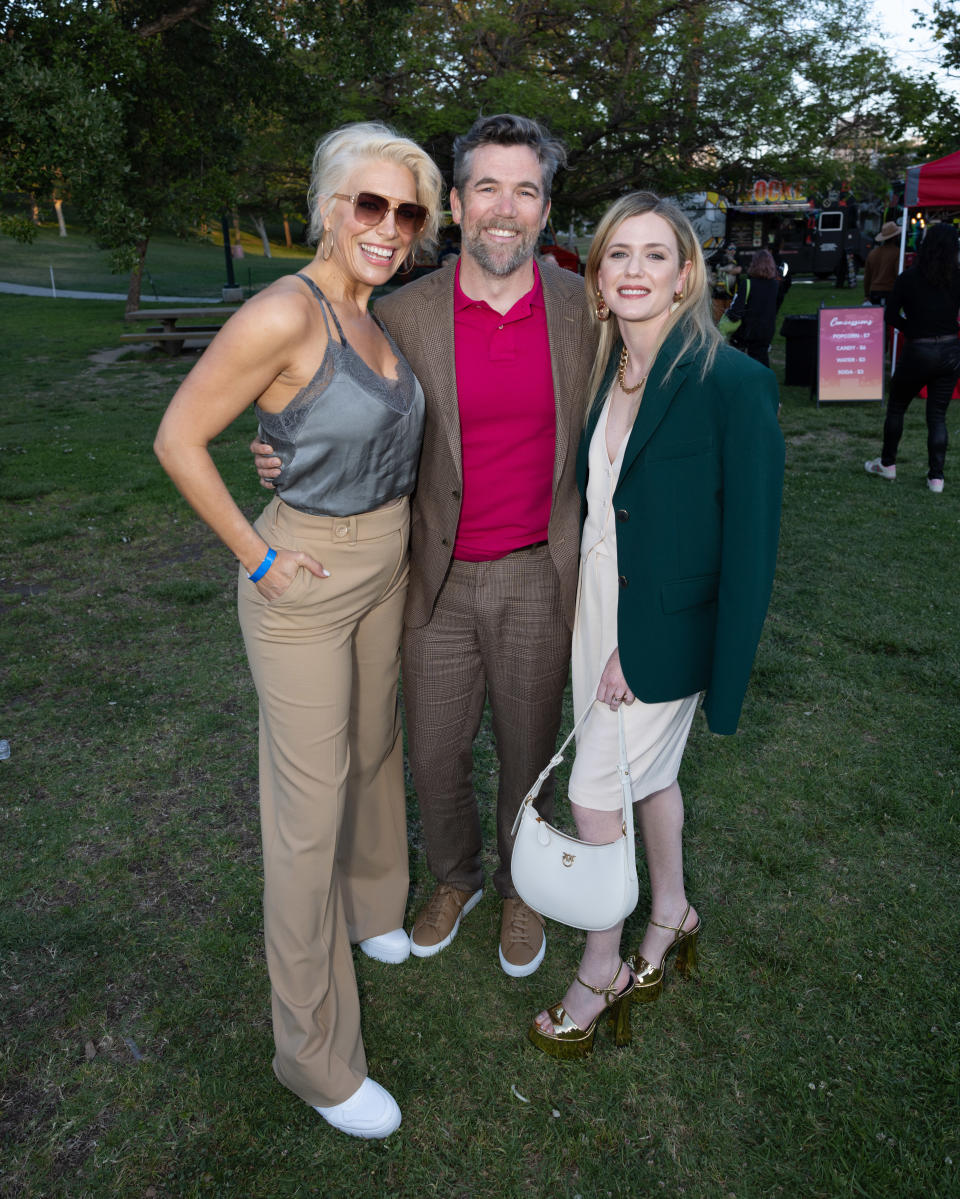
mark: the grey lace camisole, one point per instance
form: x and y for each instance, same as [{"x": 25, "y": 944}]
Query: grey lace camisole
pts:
[{"x": 349, "y": 441}]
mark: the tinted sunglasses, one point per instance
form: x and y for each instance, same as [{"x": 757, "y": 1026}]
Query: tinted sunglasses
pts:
[{"x": 370, "y": 209}]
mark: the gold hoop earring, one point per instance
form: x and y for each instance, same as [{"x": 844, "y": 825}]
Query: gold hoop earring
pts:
[
  {"x": 603, "y": 312},
  {"x": 326, "y": 247}
]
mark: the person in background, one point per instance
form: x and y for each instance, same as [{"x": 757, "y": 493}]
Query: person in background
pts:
[
  {"x": 755, "y": 306},
  {"x": 724, "y": 271},
  {"x": 924, "y": 306},
  {"x": 882, "y": 265},
  {"x": 448, "y": 252},
  {"x": 784, "y": 278},
  {"x": 681, "y": 470},
  {"x": 323, "y": 579}
]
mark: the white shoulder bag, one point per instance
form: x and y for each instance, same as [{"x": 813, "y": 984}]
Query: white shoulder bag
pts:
[{"x": 587, "y": 886}]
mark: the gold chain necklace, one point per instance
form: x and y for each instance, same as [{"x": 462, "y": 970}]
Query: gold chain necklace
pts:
[{"x": 621, "y": 373}]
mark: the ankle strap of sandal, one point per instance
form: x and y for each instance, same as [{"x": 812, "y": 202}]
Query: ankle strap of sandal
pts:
[
  {"x": 609, "y": 992},
  {"x": 670, "y": 927}
]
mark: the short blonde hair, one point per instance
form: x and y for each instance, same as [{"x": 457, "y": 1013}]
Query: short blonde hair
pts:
[
  {"x": 339, "y": 152},
  {"x": 694, "y": 310}
]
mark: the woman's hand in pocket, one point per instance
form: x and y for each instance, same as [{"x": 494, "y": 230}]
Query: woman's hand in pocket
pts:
[{"x": 283, "y": 570}]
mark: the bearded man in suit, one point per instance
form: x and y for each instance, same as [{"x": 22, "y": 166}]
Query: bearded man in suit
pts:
[{"x": 502, "y": 344}]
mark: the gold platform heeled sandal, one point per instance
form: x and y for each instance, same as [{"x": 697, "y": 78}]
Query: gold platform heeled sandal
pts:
[
  {"x": 568, "y": 1040},
  {"x": 650, "y": 977}
]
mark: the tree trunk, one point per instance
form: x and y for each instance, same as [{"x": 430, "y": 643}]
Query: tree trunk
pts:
[
  {"x": 691, "y": 70},
  {"x": 58, "y": 206},
  {"x": 262, "y": 230},
  {"x": 286, "y": 233},
  {"x": 34, "y": 211},
  {"x": 136, "y": 276}
]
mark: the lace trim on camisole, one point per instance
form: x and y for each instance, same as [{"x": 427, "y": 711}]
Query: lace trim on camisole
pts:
[{"x": 396, "y": 394}]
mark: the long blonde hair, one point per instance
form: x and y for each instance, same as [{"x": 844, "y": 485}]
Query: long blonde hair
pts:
[{"x": 693, "y": 312}]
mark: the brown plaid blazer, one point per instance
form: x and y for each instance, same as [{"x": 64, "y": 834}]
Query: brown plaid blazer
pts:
[{"x": 419, "y": 316}]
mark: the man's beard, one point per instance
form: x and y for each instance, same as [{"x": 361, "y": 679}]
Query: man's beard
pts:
[{"x": 500, "y": 261}]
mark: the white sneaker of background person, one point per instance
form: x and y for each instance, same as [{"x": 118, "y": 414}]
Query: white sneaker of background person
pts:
[{"x": 876, "y": 467}]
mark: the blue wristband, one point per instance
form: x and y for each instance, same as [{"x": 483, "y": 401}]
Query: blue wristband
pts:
[{"x": 263, "y": 567}]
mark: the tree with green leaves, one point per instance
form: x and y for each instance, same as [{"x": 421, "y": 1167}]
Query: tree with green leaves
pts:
[
  {"x": 166, "y": 112},
  {"x": 669, "y": 94},
  {"x": 185, "y": 106},
  {"x": 58, "y": 138},
  {"x": 943, "y": 21},
  {"x": 174, "y": 81},
  {"x": 330, "y": 52}
]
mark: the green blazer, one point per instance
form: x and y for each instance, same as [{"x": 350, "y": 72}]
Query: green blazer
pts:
[{"x": 697, "y": 512}]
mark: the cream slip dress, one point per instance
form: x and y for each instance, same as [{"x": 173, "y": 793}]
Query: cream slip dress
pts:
[{"x": 656, "y": 733}]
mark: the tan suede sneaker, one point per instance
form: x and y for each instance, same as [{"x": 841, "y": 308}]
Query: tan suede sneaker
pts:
[
  {"x": 523, "y": 942},
  {"x": 439, "y": 919}
]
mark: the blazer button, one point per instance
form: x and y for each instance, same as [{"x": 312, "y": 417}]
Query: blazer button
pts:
[
  {"x": 623, "y": 514},
  {"x": 623, "y": 580},
  {"x": 455, "y": 494},
  {"x": 444, "y": 541}
]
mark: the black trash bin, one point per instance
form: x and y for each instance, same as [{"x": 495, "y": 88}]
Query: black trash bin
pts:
[{"x": 800, "y": 334}]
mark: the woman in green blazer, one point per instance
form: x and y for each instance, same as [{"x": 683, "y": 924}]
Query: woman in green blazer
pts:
[{"x": 681, "y": 470}]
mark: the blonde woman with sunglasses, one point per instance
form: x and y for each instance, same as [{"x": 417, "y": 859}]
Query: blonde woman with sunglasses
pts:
[{"x": 323, "y": 577}]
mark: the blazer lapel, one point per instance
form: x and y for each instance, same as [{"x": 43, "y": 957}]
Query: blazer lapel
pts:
[
  {"x": 437, "y": 366},
  {"x": 563, "y": 338},
  {"x": 657, "y": 397}
]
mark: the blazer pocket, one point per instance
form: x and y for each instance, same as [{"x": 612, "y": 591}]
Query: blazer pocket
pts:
[
  {"x": 689, "y": 593},
  {"x": 679, "y": 449}
]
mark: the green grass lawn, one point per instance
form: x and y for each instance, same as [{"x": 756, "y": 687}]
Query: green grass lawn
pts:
[
  {"x": 817, "y": 1054},
  {"x": 175, "y": 266}
]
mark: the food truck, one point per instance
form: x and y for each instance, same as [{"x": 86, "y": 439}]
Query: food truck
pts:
[{"x": 776, "y": 215}]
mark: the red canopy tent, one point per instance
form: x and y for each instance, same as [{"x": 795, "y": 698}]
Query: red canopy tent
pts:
[
  {"x": 929, "y": 185},
  {"x": 934, "y": 183}
]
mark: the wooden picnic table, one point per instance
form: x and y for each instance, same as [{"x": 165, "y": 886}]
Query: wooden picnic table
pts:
[{"x": 170, "y": 333}]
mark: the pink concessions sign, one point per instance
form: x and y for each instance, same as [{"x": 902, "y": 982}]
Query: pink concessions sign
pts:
[{"x": 851, "y": 354}]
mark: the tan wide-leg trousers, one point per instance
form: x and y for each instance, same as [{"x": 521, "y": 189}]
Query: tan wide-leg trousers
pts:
[{"x": 325, "y": 661}]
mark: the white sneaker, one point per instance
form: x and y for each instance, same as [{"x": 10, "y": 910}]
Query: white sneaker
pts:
[
  {"x": 876, "y": 467},
  {"x": 392, "y": 947},
  {"x": 935, "y": 485},
  {"x": 371, "y": 1112}
]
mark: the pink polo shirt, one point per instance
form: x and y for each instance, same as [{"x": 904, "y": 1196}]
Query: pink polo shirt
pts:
[{"x": 508, "y": 424}]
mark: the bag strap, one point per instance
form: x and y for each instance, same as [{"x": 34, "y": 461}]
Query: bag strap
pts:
[
  {"x": 623, "y": 771},
  {"x": 558, "y": 756}
]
